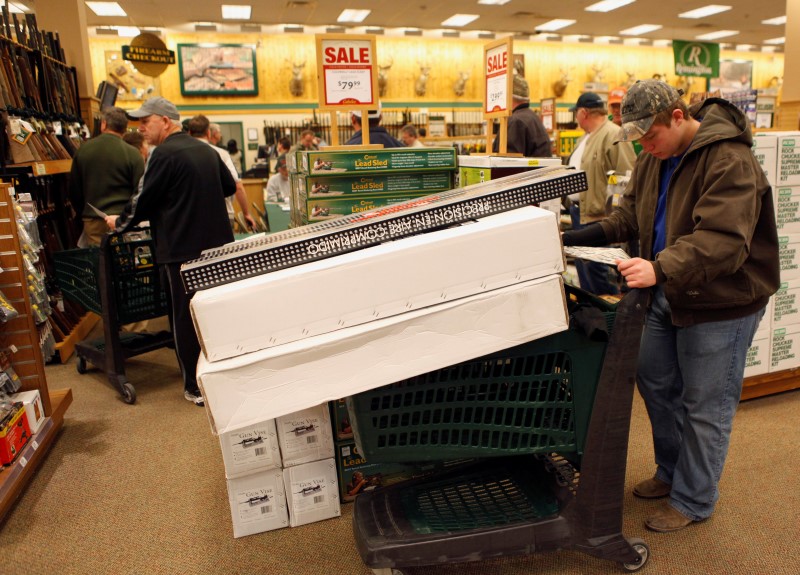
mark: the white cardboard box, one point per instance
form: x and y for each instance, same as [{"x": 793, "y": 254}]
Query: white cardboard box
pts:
[
  {"x": 34, "y": 410},
  {"x": 789, "y": 159},
  {"x": 377, "y": 282},
  {"x": 258, "y": 502},
  {"x": 250, "y": 449},
  {"x": 785, "y": 348},
  {"x": 757, "y": 362},
  {"x": 765, "y": 149},
  {"x": 787, "y": 209},
  {"x": 272, "y": 382},
  {"x": 765, "y": 325},
  {"x": 789, "y": 256},
  {"x": 786, "y": 304},
  {"x": 305, "y": 436},
  {"x": 312, "y": 492}
]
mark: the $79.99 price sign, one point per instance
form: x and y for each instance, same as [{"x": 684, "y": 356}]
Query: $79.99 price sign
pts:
[
  {"x": 497, "y": 58},
  {"x": 348, "y": 67}
]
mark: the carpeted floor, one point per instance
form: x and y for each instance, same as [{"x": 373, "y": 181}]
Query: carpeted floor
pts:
[{"x": 141, "y": 490}]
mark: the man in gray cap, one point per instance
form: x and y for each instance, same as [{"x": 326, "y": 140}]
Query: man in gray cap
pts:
[
  {"x": 526, "y": 133},
  {"x": 183, "y": 195},
  {"x": 702, "y": 209}
]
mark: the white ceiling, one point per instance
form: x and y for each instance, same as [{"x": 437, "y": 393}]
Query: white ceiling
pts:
[{"x": 517, "y": 16}]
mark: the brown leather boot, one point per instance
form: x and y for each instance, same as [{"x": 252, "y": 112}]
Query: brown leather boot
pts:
[
  {"x": 652, "y": 488},
  {"x": 667, "y": 519}
]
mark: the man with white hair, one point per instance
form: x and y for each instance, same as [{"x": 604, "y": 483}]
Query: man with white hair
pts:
[{"x": 183, "y": 196}]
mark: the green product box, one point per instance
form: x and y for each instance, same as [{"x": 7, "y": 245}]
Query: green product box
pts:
[
  {"x": 357, "y": 475},
  {"x": 340, "y": 419},
  {"x": 325, "y": 209},
  {"x": 390, "y": 159},
  {"x": 374, "y": 184}
]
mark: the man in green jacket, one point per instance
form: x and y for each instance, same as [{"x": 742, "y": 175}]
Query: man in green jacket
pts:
[
  {"x": 105, "y": 173},
  {"x": 702, "y": 209}
]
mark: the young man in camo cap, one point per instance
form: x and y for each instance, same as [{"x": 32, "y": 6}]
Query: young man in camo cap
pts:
[{"x": 702, "y": 209}]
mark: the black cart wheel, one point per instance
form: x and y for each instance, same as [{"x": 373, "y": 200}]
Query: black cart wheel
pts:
[
  {"x": 644, "y": 554},
  {"x": 81, "y": 366},
  {"x": 128, "y": 393}
]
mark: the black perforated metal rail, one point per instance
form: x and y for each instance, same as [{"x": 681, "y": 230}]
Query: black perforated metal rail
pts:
[{"x": 266, "y": 253}]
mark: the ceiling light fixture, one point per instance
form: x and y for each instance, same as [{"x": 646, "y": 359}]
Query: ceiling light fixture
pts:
[
  {"x": 717, "y": 35},
  {"x": 781, "y": 40},
  {"x": 777, "y": 21},
  {"x": 641, "y": 29},
  {"x": 458, "y": 20},
  {"x": 705, "y": 11},
  {"x": 350, "y": 15},
  {"x": 104, "y": 8},
  {"x": 554, "y": 25},
  {"x": 494, "y": 2},
  {"x": 205, "y": 27},
  {"x": 128, "y": 31},
  {"x": 608, "y": 5},
  {"x": 236, "y": 11}
]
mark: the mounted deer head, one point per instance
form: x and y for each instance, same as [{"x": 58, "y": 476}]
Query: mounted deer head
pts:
[
  {"x": 460, "y": 85},
  {"x": 296, "y": 84},
  {"x": 599, "y": 75},
  {"x": 560, "y": 85},
  {"x": 383, "y": 76},
  {"x": 631, "y": 80},
  {"x": 421, "y": 84}
]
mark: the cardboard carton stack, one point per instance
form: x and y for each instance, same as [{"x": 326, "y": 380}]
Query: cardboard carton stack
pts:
[
  {"x": 776, "y": 346},
  {"x": 330, "y": 184},
  {"x": 278, "y": 346}
]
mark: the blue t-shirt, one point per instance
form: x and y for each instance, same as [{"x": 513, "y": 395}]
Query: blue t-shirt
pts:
[{"x": 660, "y": 226}]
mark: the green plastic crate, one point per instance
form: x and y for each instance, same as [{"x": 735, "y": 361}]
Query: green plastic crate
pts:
[
  {"x": 135, "y": 279},
  {"x": 532, "y": 398}
]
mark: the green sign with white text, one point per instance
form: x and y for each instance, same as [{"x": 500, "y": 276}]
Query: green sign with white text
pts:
[{"x": 696, "y": 58}]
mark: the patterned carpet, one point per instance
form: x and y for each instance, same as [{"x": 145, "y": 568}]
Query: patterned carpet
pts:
[{"x": 141, "y": 490}]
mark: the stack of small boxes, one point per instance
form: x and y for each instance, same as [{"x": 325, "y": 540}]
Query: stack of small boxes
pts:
[
  {"x": 776, "y": 346},
  {"x": 281, "y": 472},
  {"x": 330, "y": 184}
]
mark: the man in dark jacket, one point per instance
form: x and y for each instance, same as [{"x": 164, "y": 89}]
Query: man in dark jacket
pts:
[
  {"x": 377, "y": 133},
  {"x": 702, "y": 209},
  {"x": 526, "y": 132},
  {"x": 183, "y": 195}
]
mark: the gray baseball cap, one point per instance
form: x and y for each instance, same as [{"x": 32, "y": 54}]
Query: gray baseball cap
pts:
[
  {"x": 644, "y": 100},
  {"x": 156, "y": 106}
]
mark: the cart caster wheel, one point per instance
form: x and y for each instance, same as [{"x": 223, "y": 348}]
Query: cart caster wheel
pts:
[
  {"x": 128, "y": 393},
  {"x": 644, "y": 554},
  {"x": 387, "y": 571},
  {"x": 81, "y": 366}
]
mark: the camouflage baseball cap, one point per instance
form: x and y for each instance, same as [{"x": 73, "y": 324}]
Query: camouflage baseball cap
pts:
[{"x": 644, "y": 100}]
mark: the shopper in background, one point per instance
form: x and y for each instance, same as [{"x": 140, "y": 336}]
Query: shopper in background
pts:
[
  {"x": 236, "y": 155},
  {"x": 105, "y": 173},
  {"x": 703, "y": 211},
  {"x": 526, "y": 133},
  {"x": 200, "y": 128},
  {"x": 183, "y": 195},
  {"x": 597, "y": 154},
  {"x": 306, "y": 142},
  {"x": 615, "y": 97},
  {"x": 410, "y": 136},
  {"x": 215, "y": 135},
  {"x": 278, "y": 188},
  {"x": 136, "y": 139},
  {"x": 377, "y": 133}
]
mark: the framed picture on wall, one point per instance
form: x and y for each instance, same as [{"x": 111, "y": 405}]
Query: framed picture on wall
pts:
[{"x": 217, "y": 69}]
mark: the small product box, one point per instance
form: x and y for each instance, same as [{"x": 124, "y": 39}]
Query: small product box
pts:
[
  {"x": 390, "y": 159},
  {"x": 305, "y": 436},
  {"x": 785, "y": 348},
  {"x": 14, "y": 434},
  {"x": 787, "y": 209},
  {"x": 477, "y": 169},
  {"x": 341, "y": 419},
  {"x": 258, "y": 502},
  {"x": 789, "y": 159},
  {"x": 34, "y": 410},
  {"x": 312, "y": 492},
  {"x": 765, "y": 149},
  {"x": 326, "y": 209},
  {"x": 786, "y": 304},
  {"x": 350, "y": 185},
  {"x": 789, "y": 256},
  {"x": 757, "y": 362},
  {"x": 254, "y": 448}
]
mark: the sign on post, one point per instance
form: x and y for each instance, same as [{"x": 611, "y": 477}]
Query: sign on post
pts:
[
  {"x": 346, "y": 72},
  {"x": 696, "y": 58},
  {"x": 549, "y": 114},
  {"x": 498, "y": 81}
]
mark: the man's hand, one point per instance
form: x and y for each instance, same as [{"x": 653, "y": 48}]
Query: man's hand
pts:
[
  {"x": 251, "y": 223},
  {"x": 111, "y": 222},
  {"x": 638, "y": 273}
]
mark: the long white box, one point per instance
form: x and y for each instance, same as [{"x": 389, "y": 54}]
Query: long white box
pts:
[
  {"x": 787, "y": 209},
  {"x": 789, "y": 159},
  {"x": 765, "y": 148},
  {"x": 785, "y": 348},
  {"x": 273, "y": 382},
  {"x": 786, "y": 304},
  {"x": 312, "y": 492},
  {"x": 305, "y": 436},
  {"x": 757, "y": 362},
  {"x": 377, "y": 282},
  {"x": 258, "y": 502},
  {"x": 765, "y": 325},
  {"x": 789, "y": 256},
  {"x": 252, "y": 448}
]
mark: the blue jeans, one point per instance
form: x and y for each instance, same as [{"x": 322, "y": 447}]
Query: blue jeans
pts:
[
  {"x": 593, "y": 276},
  {"x": 691, "y": 382}
]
